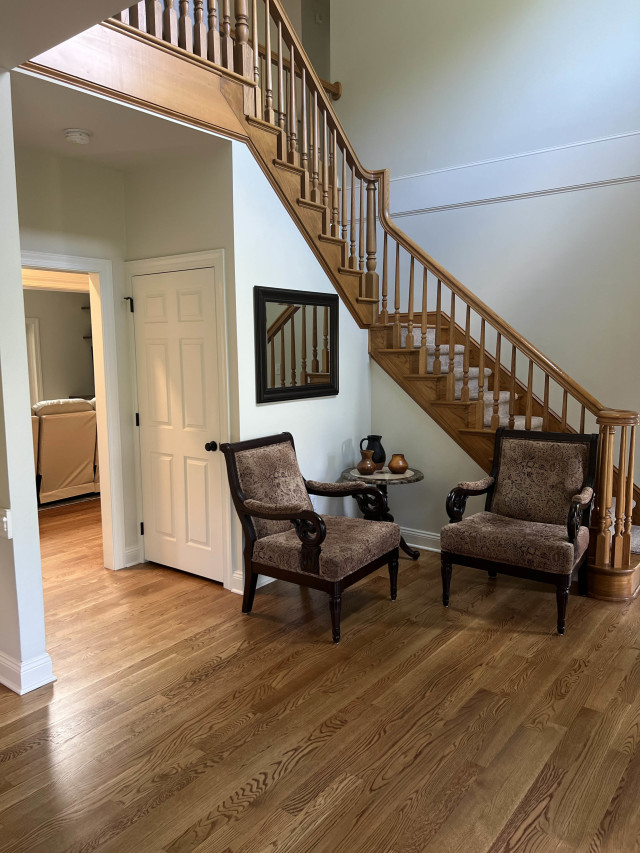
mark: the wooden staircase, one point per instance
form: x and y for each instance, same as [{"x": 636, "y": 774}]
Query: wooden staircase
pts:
[{"x": 459, "y": 360}]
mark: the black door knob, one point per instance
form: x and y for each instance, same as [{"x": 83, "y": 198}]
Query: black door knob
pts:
[{"x": 211, "y": 446}]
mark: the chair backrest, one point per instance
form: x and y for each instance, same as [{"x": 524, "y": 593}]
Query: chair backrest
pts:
[
  {"x": 537, "y": 474},
  {"x": 265, "y": 469}
]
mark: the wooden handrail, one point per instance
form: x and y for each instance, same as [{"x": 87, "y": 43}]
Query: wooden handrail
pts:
[
  {"x": 481, "y": 308},
  {"x": 281, "y": 321}
]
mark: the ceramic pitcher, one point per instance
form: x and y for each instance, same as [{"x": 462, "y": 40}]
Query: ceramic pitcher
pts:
[{"x": 373, "y": 443}]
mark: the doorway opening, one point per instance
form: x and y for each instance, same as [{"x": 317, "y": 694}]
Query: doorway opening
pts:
[
  {"x": 71, "y": 354},
  {"x": 63, "y": 407}
]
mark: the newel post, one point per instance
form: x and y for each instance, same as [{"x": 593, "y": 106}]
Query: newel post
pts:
[
  {"x": 614, "y": 572},
  {"x": 371, "y": 276}
]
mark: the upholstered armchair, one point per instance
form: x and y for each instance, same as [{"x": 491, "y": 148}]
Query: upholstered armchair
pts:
[
  {"x": 285, "y": 538},
  {"x": 536, "y": 519}
]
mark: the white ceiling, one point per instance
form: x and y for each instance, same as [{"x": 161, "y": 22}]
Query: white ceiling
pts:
[
  {"x": 121, "y": 137},
  {"x": 29, "y": 27}
]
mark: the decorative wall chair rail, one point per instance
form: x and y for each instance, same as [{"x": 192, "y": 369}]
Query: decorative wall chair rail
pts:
[{"x": 460, "y": 360}]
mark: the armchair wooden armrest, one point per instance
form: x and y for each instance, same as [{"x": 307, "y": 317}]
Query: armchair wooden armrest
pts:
[
  {"x": 457, "y": 497},
  {"x": 369, "y": 497},
  {"x": 310, "y": 528},
  {"x": 579, "y": 503}
]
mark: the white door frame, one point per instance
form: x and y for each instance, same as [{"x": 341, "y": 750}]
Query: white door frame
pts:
[
  {"x": 213, "y": 259},
  {"x": 103, "y": 327}
]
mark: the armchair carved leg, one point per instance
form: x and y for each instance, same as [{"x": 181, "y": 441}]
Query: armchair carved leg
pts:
[
  {"x": 393, "y": 575},
  {"x": 562, "y": 597},
  {"x": 335, "y": 602},
  {"x": 445, "y": 569},
  {"x": 250, "y": 581}
]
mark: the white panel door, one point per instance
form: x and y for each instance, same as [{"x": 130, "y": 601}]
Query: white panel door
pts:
[{"x": 178, "y": 398}]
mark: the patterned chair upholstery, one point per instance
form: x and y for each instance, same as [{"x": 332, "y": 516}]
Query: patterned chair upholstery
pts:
[
  {"x": 285, "y": 538},
  {"x": 536, "y": 518}
]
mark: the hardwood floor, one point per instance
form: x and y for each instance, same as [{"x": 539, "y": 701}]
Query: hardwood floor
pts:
[{"x": 177, "y": 724}]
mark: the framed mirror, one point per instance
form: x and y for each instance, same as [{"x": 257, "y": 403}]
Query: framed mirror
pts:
[{"x": 296, "y": 338}]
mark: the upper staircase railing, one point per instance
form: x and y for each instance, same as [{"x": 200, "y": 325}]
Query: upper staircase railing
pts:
[{"x": 485, "y": 364}]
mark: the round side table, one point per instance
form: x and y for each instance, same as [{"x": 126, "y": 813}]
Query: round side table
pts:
[{"x": 383, "y": 479}]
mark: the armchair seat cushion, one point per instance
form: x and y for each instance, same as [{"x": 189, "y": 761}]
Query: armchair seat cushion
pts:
[
  {"x": 530, "y": 544},
  {"x": 350, "y": 544}
]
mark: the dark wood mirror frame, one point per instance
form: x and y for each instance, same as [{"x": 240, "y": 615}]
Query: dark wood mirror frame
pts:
[{"x": 315, "y": 371}]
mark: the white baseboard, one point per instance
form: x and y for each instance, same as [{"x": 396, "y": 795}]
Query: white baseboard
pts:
[
  {"x": 422, "y": 539},
  {"x": 237, "y": 582},
  {"x": 22, "y": 677},
  {"x": 132, "y": 556}
]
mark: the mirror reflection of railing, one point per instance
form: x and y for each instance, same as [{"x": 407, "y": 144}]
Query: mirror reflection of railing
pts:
[{"x": 293, "y": 338}]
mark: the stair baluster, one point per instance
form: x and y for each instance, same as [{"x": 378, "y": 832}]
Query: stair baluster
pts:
[
  {"x": 315, "y": 364},
  {"x": 361, "y": 228},
  {"x": 335, "y": 197},
  {"x": 281, "y": 90},
  {"x": 396, "y": 317},
  {"x": 353, "y": 261},
  {"x": 582, "y": 416},
  {"x": 315, "y": 169},
  {"x": 153, "y": 10},
  {"x": 303, "y": 359},
  {"x": 384, "y": 314},
  {"x": 170, "y": 23},
  {"x": 294, "y": 376},
  {"x": 325, "y": 172},
  {"x": 529, "y": 402},
  {"x": 512, "y": 390},
  {"x": 293, "y": 112},
  {"x": 343, "y": 190},
  {"x": 563, "y": 423},
  {"x": 424, "y": 321},
  {"x": 480, "y": 414},
  {"x": 437, "y": 363},
  {"x": 213, "y": 40},
  {"x": 185, "y": 27},
  {"x": 451, "y": 375},
  {"x": 304, "y": 142},
  {"x": 325, "y": 341},
  {"x": 545, "y": 405},
  {"x": 495, "y": 415},
  {"x": 464, "y": 394},
  {"x": 138, "y": 16},
  {"x": 199, "y": 29},
  {"x": 272, "y": 371},
  {"x": 269, "y": 113},
  {"x": 226, "y": 42},
  {"x": 409, "y": 341},
  {"x": 283, "y": 356},
  {"x": 255, "y": 51}
]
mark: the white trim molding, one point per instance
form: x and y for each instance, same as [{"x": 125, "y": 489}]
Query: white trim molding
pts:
[
  {"x": 107, "y": 392},
  {"x": 591, "y": 165},
  {"x": 24, "y": 676},
  {"x": 421, "y": 539}
]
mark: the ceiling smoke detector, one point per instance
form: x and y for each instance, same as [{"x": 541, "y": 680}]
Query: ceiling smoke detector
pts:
[{"x": 77, "y": 136}]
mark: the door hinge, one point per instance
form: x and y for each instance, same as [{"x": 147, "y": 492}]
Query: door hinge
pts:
[
  {"x": 137, "y": 418},
  {"x": 142, "y": 528},
  {"x": 129, "y": 299}
]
